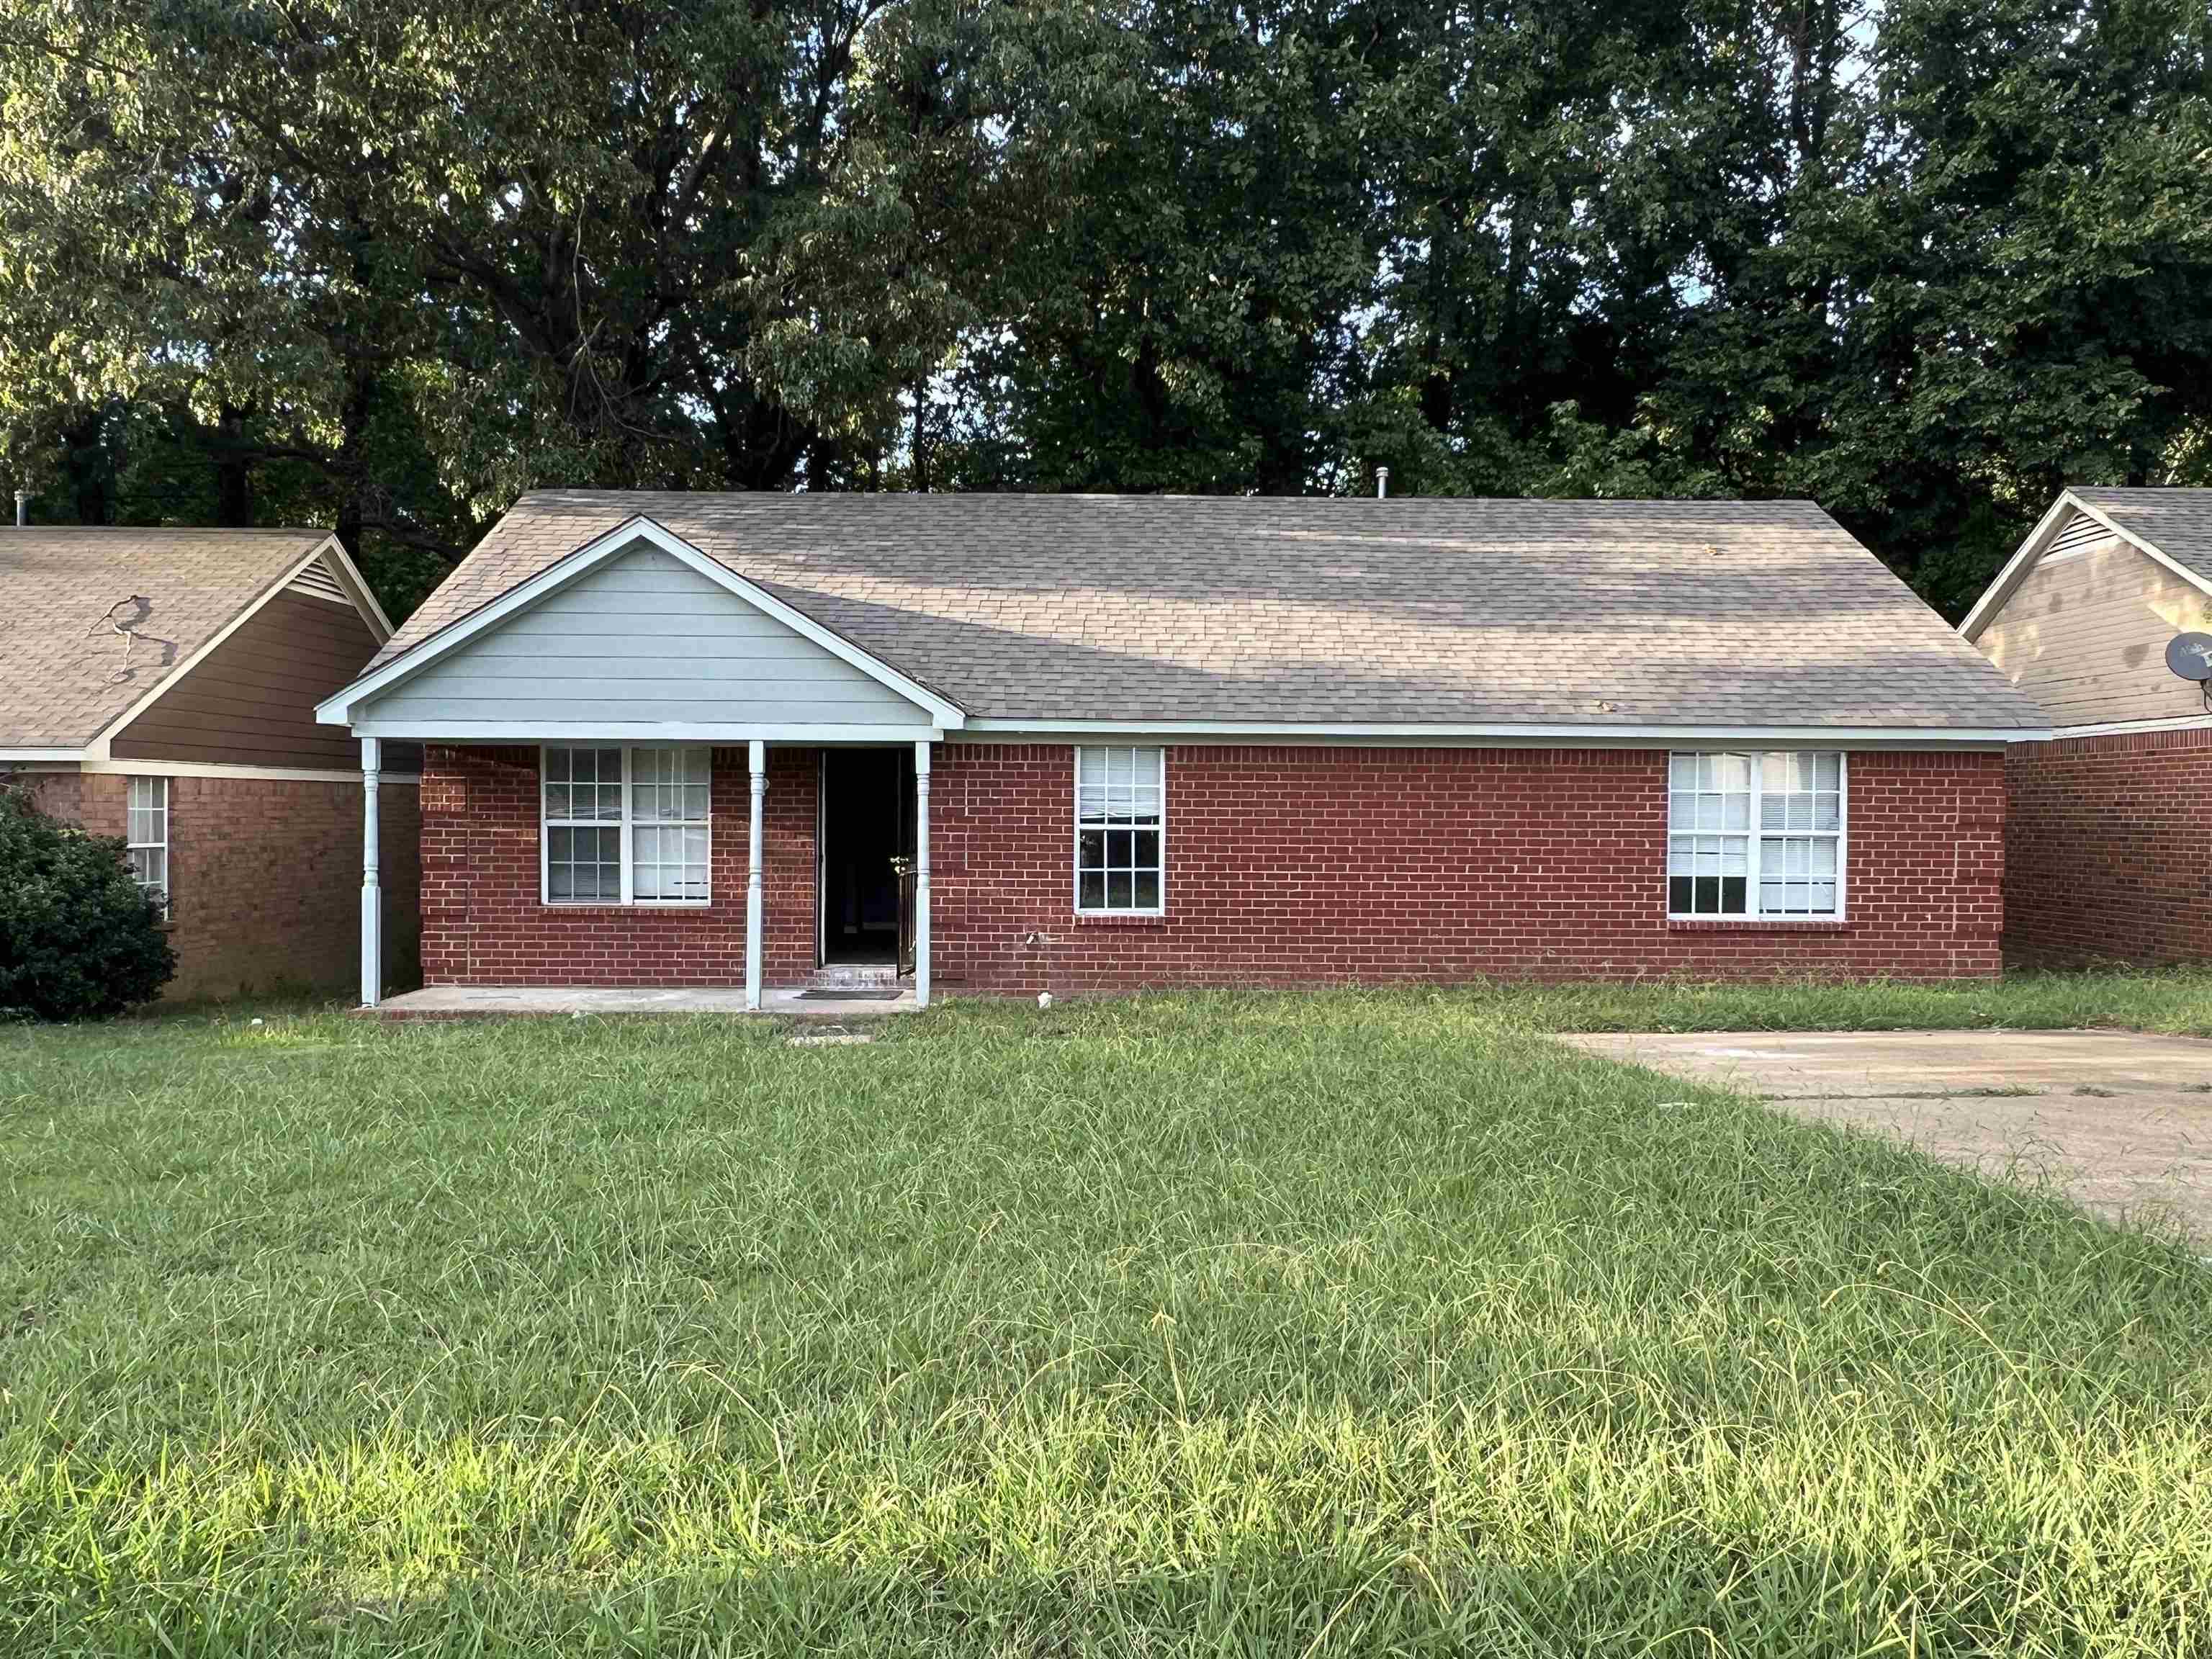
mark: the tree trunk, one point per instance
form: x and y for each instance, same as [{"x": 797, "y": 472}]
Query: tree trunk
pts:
[{"x": 234, "y": 473}]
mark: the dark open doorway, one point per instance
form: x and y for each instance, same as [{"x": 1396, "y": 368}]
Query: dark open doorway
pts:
[{"x": 867, "y": 850}]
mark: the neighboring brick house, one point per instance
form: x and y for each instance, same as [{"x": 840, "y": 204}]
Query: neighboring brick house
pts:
[
  {"x": 2108, "y": 848},
  {"x": 160, "y": 685},
  {"x": 1008, "y": 743}
]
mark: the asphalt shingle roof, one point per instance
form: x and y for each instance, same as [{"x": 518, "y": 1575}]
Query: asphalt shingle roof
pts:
[
  {"x": 1321, "y": 610},
  {"x": 2177, "y": 522},
  {"x": 65, "y": 672}
]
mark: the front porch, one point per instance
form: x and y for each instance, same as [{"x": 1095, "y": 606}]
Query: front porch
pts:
[
  {"x": 575, "y": 1002},
  {"x": 744, "y": 875}
]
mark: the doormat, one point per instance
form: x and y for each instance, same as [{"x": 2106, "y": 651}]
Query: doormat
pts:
[{"x": 851, "y": 993}]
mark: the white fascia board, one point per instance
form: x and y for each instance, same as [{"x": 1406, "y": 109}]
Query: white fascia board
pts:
[
  {"x": 2024, "y": 555},
  {"x": 169, "y": 768},
  {"x": 636, "y": 731},
  {"x": 1413, "y": 734},
  {"x": 8, "y": 754},
  {"x": 2031, "y": 552},
  {"x": 97, "y": 749},
  {"x": 337, "y": 710},
  {"x": 364, "y": 596}
]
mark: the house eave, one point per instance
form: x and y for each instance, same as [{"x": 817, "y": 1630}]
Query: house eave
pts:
[
  {"x": 721, "y": 733},
  {"x": 1507, "y": 734}
]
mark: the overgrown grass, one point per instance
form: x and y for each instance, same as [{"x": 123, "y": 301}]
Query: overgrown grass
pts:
[
  {"x": 1343, "y": 1324},
  {"x": 2178, "y": 1000}
]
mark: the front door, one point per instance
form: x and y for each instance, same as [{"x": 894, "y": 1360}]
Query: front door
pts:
[{"x": 866, "y": 854}]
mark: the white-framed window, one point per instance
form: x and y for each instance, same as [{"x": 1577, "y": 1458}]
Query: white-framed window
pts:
[
  {"x": 1756, "y": 834},
  {"x": 146, "y": 835},
  {"x": 1121, "y": 831},
  {"x": 624, "y": 825}
]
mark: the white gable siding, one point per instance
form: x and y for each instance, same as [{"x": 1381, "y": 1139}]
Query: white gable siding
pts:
[
  {"x": 2085, "y": 634},
  {"x": 644, "y": 638}
]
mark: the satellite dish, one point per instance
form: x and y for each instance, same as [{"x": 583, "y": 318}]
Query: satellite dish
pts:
[{"x": 2189, "y": 655}]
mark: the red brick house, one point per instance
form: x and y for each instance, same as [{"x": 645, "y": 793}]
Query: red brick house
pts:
[
  {"x": 160, "y": 685},
  {"x": 2108, "y": 849},
  {"x": 1008, "y": 743}
]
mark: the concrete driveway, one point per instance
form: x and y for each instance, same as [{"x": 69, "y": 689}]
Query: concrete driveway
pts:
[{"x": 2123, "y": 1121}]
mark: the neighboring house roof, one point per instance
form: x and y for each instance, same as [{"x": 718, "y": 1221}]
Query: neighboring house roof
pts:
[
  {"x": 2174, "y": 526},
  {"x": 2177, "y": 522},
  {"x": 69, "y": 671},
  {"x": 1276, "y": 610}
]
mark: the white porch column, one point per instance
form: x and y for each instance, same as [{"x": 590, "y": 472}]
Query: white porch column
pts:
[
  {"x": 757, "y": 757},
  {"x": 921, "y": 874},
  {"x": 372, "y": 895}
]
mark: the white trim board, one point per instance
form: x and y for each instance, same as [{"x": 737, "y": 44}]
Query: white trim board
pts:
[
  {"x": 330, "y": 548},
  {"x": 645, "y": 733},
  {"x": 1408, "y": 735},
  {"x": 2030, "y": 554},
  {"x": 169, "y": 768},
  {"x": 10, "y": 755},
  {"x": 338, "y": 710},
  {"x": 2114, "y": 728}
]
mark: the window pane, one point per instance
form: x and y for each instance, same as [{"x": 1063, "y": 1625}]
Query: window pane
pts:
[
  {"x": 1091, "y": 894},
  {"x": 1091, "y": 850},
  {"x": 1120, "y": 848},
  {"x": 1708, "y": 875},
  {"x": 1117, "y": 890},
  {"x": 1148, "y": 889},
  {"x": 1798, "y": 875},
  {"x": 669, "y": 783},
  {"x": 583, "y": 865},
  {"x": 1145, "y": 852}
]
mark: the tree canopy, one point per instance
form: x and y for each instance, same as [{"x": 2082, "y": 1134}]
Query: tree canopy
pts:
[{"x": 384, "y": 265}]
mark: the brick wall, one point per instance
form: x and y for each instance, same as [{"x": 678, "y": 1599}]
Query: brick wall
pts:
[
  {"x": 2108, "y": 848},
  {"x": 264, "y": 878},
  {"x": 1300, "y": 865},
  {"x": 1287, "y": 866},
  {"x": 483, "y": 923}
]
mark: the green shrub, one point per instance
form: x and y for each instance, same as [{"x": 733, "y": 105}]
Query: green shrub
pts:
[{"x": 78, "y": 940}]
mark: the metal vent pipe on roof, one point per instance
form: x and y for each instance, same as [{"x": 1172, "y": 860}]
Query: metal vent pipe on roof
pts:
[
  {"x": 1381, "y": 482},
  {"x": 22, "y": 508}
]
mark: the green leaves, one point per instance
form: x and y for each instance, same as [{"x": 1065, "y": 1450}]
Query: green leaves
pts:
[{"x": 387, "y": 264}]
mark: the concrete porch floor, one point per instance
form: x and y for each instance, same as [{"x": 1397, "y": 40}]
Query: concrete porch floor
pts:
[{"x": 469, "y": 1001}]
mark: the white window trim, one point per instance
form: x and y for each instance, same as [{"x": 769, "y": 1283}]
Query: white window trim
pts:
[
  {"x": 1752, "y": 912},
  {"x": 629, "y": 818},
  {"x": 168, "y": 881},
  {"x": 1075, "y": 839}
]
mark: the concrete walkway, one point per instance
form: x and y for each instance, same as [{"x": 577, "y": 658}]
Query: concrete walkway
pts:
[
  {"x": 2122, "y": 1121},
  {"x": 467, "y": 1001}
]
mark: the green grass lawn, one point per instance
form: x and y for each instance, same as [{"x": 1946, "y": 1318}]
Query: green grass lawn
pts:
[
  {"x": 1346, "y": 1324},
  {"x": 2177, "y": 1001}
]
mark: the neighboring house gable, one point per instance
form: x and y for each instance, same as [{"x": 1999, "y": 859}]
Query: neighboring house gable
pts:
[
  {"x": 640, "y": 641},
  {"x": 251, "y": 701},
  {"x": 2081, "y": 618},
  {"x": 2085, "y": 632}
]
